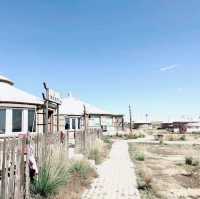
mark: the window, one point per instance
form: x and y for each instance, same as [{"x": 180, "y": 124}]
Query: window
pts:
[
  {"x": 31, "y": 120},
  {"x": 2, "y": 120},
  {"x": 79, "y": 123},
  {"x": 73, "y": 123},
  {"x": 17, "y": 120},
  {"x": 67, "y": 123}
]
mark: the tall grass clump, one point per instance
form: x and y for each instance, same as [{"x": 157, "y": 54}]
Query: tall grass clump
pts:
[
  {"x": 107, "y": 140},
  {"x": 48, "y": 184},
  {"x": 80, "y": 169},
  {"x": 183, "y": 138},
  {"x": 52, "y": 176},
  {"x": 139, "y": 156},
  {"x": 96, "y": 152}
]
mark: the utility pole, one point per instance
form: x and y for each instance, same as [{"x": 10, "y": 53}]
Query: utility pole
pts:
[
  {"x": 46, "y": 98},
  {"x": 46, "y": 115},
  {"x": 130, "y": 117},
  {"x": 85, "y": 128}
]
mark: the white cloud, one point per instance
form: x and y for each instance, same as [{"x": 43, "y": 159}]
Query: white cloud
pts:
[{"x": 167, "y": 68}]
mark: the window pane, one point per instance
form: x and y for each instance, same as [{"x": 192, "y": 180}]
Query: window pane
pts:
[
  {"x": 31, "y": 121},
  {"x": 79, "y": 123},
  {"x": 67, "y": 123},
  {"x": 73, "y": 123},
  {"x": 2, "y": 120},
  {"x": 17, "y": 120}
]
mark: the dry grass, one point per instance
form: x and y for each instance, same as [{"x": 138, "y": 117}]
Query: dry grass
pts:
[
  {"x": 175, "y": 137},
  {"x": 163, "y": 173},
  {"x": 145, "y": 178},
  {"x": 99, "y": 152},
  {"x": 82, "y": 175}
]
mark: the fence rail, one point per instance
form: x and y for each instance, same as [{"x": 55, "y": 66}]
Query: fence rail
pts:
[{"x": 16, "y": 152}]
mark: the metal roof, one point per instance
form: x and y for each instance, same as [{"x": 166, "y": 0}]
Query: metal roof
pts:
[{"x": 73, "y": 106}]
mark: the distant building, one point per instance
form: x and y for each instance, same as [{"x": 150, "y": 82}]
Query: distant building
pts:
[
  {"x": 72, "y": 116},
  {"x": 193, "y": 127},
  {"x": 182, "y": 126},
  {"x": 142, "y": 125}
]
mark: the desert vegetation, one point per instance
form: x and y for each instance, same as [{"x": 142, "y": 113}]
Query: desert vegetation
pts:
[
  {"x": 59, "y": 176},
  {"x": 100, "y": 150},
  {"x": 167, "y": 171}
]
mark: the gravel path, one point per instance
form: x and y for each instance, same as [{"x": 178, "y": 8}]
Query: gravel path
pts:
[{"x": 117, "y": 178}]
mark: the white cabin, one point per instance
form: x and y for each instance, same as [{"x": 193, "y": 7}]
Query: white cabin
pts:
[{"x": 17, "y": 109}]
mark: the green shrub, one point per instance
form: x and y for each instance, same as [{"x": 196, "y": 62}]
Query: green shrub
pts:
[
  {"x": 139, "y": 156},
  {"x": 183, "y": 138},
  {"x": 80, "y": 168},
  {"x": 107, "y": 140},
  {"x": 161, "y": 142},
  {"x": 188, "y": 160},
  {"x": 49, "y": 180}
]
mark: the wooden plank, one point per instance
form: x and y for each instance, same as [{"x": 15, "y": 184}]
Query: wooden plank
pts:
[
  {"x": 27, "y": 178},
  {"x": 17, "y": 193},
  {"x": 12, "y": 169},
  {"x": 3, "y": 176}
]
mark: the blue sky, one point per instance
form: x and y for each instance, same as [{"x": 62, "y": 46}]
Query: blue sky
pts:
[{"x": 109, "y": 53}]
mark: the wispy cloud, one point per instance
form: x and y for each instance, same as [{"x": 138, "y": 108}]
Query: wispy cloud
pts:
[{"x": 167, "y": 68}]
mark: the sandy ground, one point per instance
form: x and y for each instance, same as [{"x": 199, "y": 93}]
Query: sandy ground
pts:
[{"x": 171, "y": 178}]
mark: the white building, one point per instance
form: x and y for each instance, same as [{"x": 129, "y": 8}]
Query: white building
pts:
[
  {"x": 193, "y": 127},
  {"x": 72, "y": 112},
  {"x": 17, "y": 109}
]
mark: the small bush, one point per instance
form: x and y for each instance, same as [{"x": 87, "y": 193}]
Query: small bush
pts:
[
  {"x": 80, "y": 169},
  {"x": 107, "y": 140},
  {"x": 183, "y": 138},
  {"x": 161, "y": 142},
  {"x": 49, "y": 180},
  {"x": 188, "y": 160},
  {"x": 139, "y": 156}
]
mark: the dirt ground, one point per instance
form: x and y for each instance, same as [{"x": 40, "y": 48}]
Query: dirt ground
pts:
[{"x": 171, "y": 177}]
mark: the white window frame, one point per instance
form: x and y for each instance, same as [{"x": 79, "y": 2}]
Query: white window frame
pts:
[
  {"x": 23, "y": 126},
  {"x": 35, "y": 119}
]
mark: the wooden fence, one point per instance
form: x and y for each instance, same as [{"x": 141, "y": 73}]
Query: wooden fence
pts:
[
  {"x": 15, "y": 153},
  {"x": 85, "y": 140}
]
